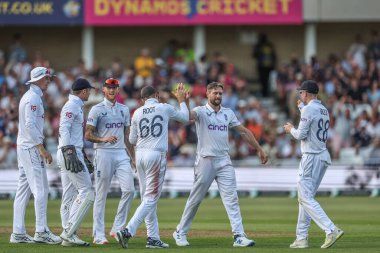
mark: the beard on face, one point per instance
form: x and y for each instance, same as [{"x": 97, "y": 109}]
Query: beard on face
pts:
[
  {"x": 216, "y": 101},
  {"x": 111, "y": 96}
]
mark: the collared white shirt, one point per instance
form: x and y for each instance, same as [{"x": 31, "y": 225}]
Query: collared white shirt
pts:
[
  {"x": 109, "y": 119},
  {"x": 313, "y": 127},
  {"x": 149, "y": 127},
  {"x": 31, "y": 118},
  {"x": 212, "y": 130},
  {"x": 71, "y": 123}
]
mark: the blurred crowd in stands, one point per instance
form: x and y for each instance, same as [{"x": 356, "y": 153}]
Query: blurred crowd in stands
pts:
[{"x": 349, "y": 87}]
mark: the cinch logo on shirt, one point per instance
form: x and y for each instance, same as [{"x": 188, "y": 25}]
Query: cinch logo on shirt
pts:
[
  {"x": 217, "y": 128},
  {"x": 115, "y": 125}
]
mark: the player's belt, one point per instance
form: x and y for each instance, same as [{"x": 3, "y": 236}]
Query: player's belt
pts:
[
  {"x": 151, "y": 149},
  {"x": 313, "y": 153}
]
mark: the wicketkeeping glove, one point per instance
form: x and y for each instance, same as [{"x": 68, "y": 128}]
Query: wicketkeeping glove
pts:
[
  {"x": 72, "y": 162},
  {"x": 89, "y": 164}
]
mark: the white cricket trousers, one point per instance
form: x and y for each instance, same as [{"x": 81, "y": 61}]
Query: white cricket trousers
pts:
[
  {"x": 109, "y": 163},
  {"x": 75, "y": 188},
  {"x": 208, "y": 169},
  {"x": 310, "y": 174},
  {"x": 151, "y": 168},
  {"x": 32, "y": 180}
]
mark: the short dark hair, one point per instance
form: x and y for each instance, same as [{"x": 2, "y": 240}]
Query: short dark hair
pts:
[
  {"x": 147, "y": 91},
  {"x": 214, "y": 85},
  {"x": 77, "y": 92}
]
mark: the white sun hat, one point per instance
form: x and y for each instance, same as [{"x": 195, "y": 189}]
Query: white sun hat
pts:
[{"x": 38, "y": 73}]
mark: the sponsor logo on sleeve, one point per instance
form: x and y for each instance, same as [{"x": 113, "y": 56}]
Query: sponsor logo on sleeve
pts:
[
  {"x": 69, "y": 115},
  {"x": 33, "y": 108}
]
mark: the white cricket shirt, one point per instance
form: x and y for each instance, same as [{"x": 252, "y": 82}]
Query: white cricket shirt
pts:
[
  {"x": 212, "y": 130},
  {"x": 313, "y": 127},
  {"x": 109, "y": 119},
  {"x": 71, "y": 123},
  {"x": 149, "y": 127},
  {"x": 31, "y": 118}
]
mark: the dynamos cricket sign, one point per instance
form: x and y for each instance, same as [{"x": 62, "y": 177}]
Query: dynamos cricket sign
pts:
[{"x": 192, "y": 12}]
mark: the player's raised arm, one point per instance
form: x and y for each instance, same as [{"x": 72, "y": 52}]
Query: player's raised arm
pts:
[{"x": 182, "y": 97}]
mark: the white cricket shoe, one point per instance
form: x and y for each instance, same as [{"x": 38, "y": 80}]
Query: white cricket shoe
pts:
[
  {"x": 100, "y": 241},
  {"x": 21, "y": 238},
  {"x": 67, "y": 244},
  {"x": 180, "y": 239},
  {"x": 332, "y": 238},
  {"x": 74, "y": 240},
  {"x": 242, "y": 241},
  {"x": 64, "y": 235},
  {"x": 114, "y": 235},
  {"x": 47, "y": 237},
  {"x": 153, "y": 243},
  {"x": 299, "y": 244}
]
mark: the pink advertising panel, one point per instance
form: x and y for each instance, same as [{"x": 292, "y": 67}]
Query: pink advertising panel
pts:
[{"x": 192, "y": 12}]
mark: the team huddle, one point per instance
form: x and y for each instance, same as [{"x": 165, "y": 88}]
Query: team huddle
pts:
[{"x": 123, "y": 144}]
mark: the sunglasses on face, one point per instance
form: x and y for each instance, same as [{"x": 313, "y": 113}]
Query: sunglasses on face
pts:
[{"x": 111, "y": 81}]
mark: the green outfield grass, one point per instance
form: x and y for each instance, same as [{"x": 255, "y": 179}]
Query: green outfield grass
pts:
[{"x": 269, "y": 220}]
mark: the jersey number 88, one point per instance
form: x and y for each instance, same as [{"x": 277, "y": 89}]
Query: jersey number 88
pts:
[{"x": 323, "y": 128}]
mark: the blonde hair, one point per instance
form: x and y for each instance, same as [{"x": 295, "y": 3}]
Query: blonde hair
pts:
[{"x": 214, "y": 85}]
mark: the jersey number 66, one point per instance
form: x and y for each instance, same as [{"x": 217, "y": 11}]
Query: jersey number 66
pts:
[{"x": 154, "y": 128}]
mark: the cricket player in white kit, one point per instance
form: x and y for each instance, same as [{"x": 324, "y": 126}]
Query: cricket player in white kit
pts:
[
  {"x": 213, "y": 162},
  {"x": 31, "y": 156},
  {"x": 149, "y": 132},
  {"x": 312, "y": 131},
  {"x": 77, "y": 193},
  {"x": 108, "y": 127}
]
